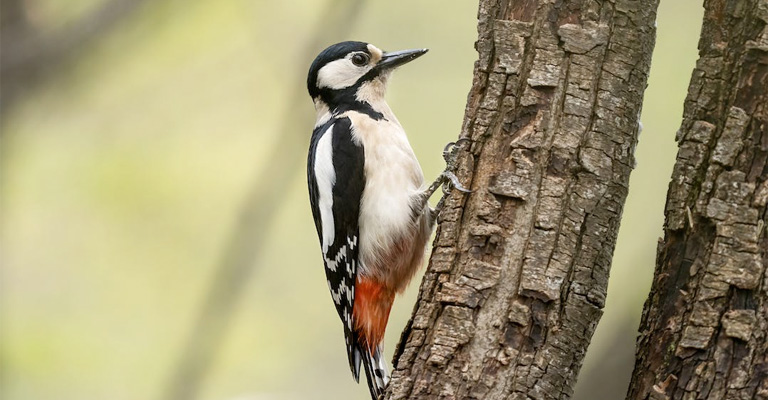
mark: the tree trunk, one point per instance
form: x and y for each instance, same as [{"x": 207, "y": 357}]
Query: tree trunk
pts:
[
  {"x": 517, "y": 278},
  {"x": 704, "y": 327}
]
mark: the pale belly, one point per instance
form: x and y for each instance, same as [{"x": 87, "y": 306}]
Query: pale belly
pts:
[
  {"x": 392, "y": 216},
  {"x": 394, "y": 224}
]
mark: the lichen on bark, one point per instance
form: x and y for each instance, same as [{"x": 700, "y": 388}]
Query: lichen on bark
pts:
[{"x": 518, "y": 274}]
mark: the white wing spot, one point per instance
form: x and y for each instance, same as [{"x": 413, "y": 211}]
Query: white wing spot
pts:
[
  {"x": 332, "y": 264},
  {"x": 337, "y": 294}
]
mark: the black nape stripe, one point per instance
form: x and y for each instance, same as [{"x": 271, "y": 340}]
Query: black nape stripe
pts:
[
  {"x": 364, "y": 108},
  {"x": 341, "y": 100}
]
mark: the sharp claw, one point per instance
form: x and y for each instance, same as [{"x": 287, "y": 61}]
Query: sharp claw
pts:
[
  {"x": 447, "y": 148},
  {"x": 464, "y": 139},
  {"x": 449, "y": 151},
  {"x": 450, "y": 145},
  {"x": 454, "y": 181}
]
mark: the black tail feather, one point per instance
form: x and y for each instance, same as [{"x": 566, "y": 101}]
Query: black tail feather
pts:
[
  {"x": 375, "y": 371},
  {"x": 374, "y": 364},
  {"x": 355, "y": 355}
]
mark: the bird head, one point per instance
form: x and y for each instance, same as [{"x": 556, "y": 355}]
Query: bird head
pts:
[{"x": 353, "y": 72}]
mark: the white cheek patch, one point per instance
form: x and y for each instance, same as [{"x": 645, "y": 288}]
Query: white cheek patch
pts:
[{"x": 340, "y": 74}]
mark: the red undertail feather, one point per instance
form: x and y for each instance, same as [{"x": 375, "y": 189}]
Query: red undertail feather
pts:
[
  {"x": 373, "y": 301},
  {"x": 370, "y": 313}
]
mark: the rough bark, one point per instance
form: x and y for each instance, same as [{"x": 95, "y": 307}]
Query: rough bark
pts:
[
  {"x": 704, "y": 327},
  {"x": 517, "y": 278}
]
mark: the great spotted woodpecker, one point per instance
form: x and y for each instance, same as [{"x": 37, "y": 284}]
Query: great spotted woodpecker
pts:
[{"x": 368, "y": 197}]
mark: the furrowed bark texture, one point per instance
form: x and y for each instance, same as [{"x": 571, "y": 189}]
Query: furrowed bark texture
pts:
[
  {"x": 704, "y": 327},
  {"x": 517, "y": 278}
]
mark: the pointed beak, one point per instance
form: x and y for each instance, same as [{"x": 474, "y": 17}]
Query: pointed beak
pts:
[{"x": 395, "y": 59}]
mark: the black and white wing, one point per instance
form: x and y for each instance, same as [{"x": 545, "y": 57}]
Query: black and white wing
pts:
[{"x": 335, "y": 171}]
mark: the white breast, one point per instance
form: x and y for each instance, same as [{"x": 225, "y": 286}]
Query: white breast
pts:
[{"x": 392, "y": 177}]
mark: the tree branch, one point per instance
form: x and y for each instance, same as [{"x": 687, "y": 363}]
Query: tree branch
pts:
[
  {"x": 518, "y": 274},
  {"x": 704, "y": 332}
]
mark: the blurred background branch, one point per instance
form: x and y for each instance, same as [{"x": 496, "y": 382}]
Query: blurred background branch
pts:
[
  {"x": 29, "y": 51},
  {"x": 260, "y": 207}
]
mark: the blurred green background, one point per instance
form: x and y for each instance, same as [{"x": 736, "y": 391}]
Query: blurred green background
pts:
[{"x": 126, "y": 162}]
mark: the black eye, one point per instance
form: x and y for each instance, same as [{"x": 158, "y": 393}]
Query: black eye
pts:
[{"x": 360, "y": 59}]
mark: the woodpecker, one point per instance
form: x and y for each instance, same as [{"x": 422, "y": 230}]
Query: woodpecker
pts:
[{"x": 367, "y": 194}]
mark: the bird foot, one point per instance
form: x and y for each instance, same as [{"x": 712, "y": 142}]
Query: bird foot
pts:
[
  {"x": 447, "y": 179},
  {"x": 451, "y": 152}
]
